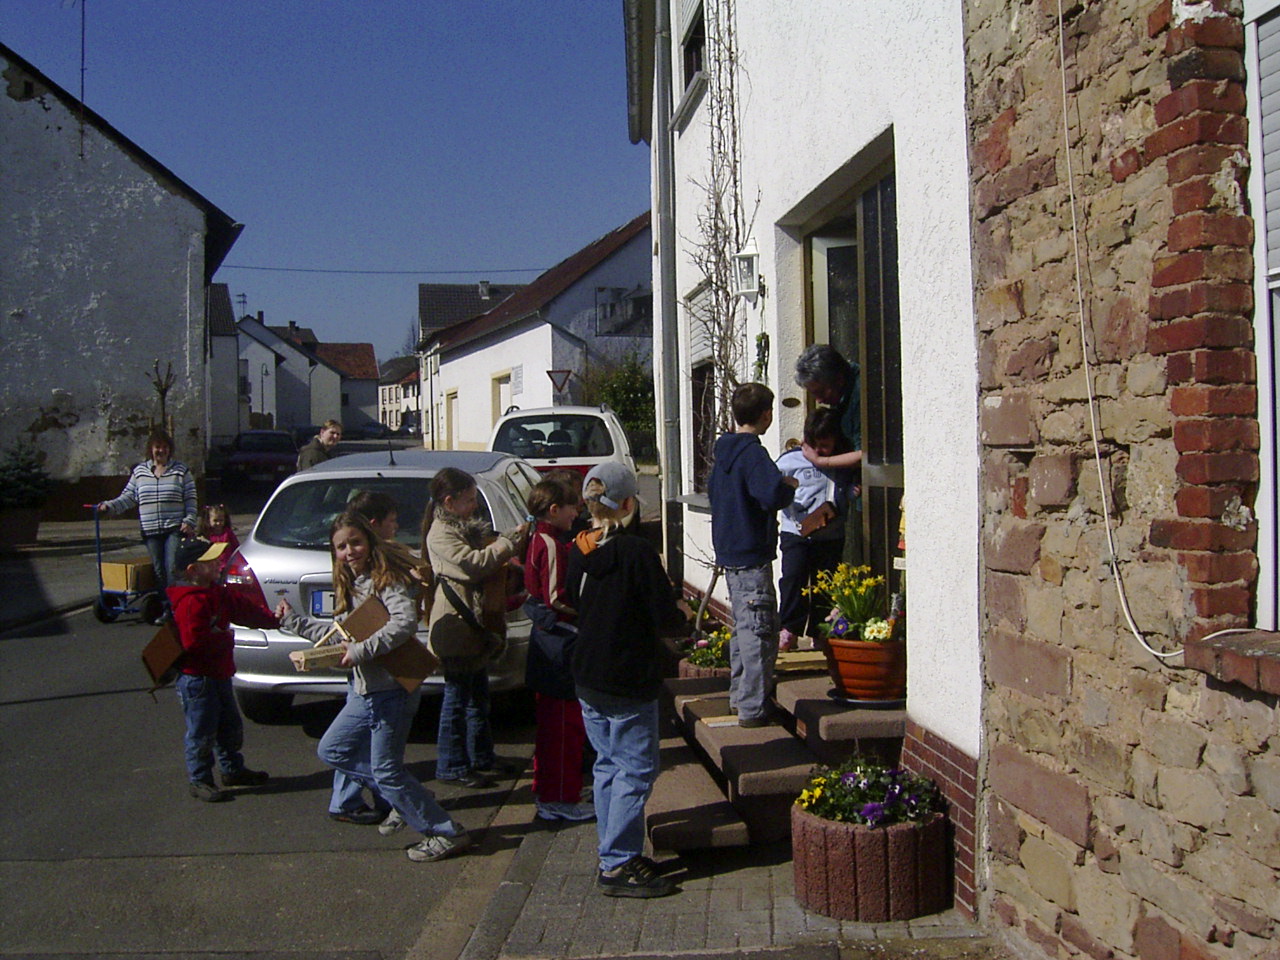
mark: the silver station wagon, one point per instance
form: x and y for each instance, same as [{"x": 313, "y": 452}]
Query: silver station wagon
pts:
[{"x": 287, "y": 555}]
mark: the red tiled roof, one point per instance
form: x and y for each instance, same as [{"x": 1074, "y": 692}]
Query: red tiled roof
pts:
[
  {"x": 355, "y": 361},
  {"x": 532, "y": 298}
]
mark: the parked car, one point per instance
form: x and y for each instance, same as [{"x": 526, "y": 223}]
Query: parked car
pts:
[
  {"x": 287, "y": 555},
  {"x": 373, "y": 431},
  {"x": 551, "y": 438},
  {"x": 259, "y": 457}
]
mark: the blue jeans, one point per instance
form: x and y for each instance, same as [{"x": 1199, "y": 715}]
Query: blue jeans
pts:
[
  {"x": 163, "y": 548},
  {"x": 624, "y": 734},
  {"x": 348, "y": 794},
  {"x": 214, "y": 727},
  {"x": 753, "y": 651},
  {"x": 464, "y": 740},
  {"x": 366, "y": 743}
]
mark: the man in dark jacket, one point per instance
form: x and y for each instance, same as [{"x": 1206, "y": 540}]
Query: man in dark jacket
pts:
[
  {"x": 747, "y": 490},
  {"x": 321, "y": 446}
]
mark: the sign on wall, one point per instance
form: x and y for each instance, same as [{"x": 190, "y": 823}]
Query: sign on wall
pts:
[{"x": 517, "y": 380}]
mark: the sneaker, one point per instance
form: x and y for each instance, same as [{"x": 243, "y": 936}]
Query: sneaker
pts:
[
  {"x": 205, "y": 790},
  {"x": 752, "y": 723},
  {"x": 437, "y": 846},
  {"x": 786, "y": 639},
  {"x": 392, "y": 825},
  {"x": 471, "y": 779},
  {"x": 561, "y": 810},
  {"x": 364, "y": 816},
  {"x": 244, "y": 777},
  {"x": 638, "y": 877}
]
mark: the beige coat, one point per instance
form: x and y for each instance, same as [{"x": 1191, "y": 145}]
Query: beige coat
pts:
[{"x": 461, "y": 553}]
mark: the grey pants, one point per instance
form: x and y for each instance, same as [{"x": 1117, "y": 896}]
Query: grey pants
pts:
[{"x": 754, "y": 647}]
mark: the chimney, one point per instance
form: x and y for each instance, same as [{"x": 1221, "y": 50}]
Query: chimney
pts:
[
  {"x": 484, "y": 289},
  {"x": 260, "y": 320},
  {"x": 293, "y": 326}
]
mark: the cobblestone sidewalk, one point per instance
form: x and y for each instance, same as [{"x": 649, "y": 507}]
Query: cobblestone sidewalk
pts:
[{"x": 730, "y": 900}]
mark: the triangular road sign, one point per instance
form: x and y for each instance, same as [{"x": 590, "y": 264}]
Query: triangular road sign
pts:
[{"x": 559, "y": 379}]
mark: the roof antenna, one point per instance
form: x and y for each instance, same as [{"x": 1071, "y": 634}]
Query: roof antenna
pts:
[{"x": 391, "y": 453}]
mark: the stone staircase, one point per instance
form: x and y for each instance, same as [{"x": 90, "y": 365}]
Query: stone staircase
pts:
[{"x": 723, "y": 785}]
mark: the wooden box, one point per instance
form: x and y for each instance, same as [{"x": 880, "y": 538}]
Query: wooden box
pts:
[
  {"x": 317, "y": 658},
  {"x": 134, "y": 575}
]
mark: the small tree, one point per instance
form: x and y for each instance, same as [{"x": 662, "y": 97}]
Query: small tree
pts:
[{"x": 627, "y": 387}]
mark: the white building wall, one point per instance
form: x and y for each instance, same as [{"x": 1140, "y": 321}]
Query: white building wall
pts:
[
  {"x": 826, "y": 84},
  {"x": 260, "y": 361},
  {"x": 524, "y": 355},
  {"x": 224, "y": 397},
  {"x": 101, "y": 274},
  {"x": 326, "y": 394}
]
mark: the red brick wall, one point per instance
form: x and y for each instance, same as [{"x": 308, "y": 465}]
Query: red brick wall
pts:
[{"x": 927, "y": 754}]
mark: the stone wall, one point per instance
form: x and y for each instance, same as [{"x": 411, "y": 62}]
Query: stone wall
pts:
[{"x": 1131, "y": 805}]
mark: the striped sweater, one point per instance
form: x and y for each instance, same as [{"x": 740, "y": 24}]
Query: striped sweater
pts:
[{"x": 164, "y": 503}]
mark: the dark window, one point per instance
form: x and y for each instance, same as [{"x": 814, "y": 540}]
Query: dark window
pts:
[
  {"x": 694, "y": 48},
  {"x": 554, "y": 435},
  {"x": 704, "y": 424}
]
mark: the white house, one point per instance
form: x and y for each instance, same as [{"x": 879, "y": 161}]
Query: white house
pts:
[
  {"x": 1048, "y": 235},
  {"x": 105, "y": 257},
  {"x": 588, "y": 312},
  {"x": 228, "y": 385}
]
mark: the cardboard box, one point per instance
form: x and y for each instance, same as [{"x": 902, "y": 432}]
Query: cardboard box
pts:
[{"x": 134, "y": 575}]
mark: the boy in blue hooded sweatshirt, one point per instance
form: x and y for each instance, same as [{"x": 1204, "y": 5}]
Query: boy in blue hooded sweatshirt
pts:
[{"x": 747, "y": 490}]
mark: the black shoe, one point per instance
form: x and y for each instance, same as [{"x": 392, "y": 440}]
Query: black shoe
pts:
[
  {"x": 751, "y": 723},
  {"x": 244, "y": 777},
  {"x": 471, "y": 778},
  {"x": 206, "y": 791},
  {"x": 364, "y": 816},
  {"x": 500, "y": 768},
  {"x": 638, "y": 877}
]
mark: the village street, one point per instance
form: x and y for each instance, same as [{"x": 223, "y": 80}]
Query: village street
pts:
[{"x": 104, "y": 852}]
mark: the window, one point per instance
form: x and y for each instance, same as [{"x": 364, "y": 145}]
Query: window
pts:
[
  {"x": 694, "y": 47},
  {"x": 704, "y": 423}
]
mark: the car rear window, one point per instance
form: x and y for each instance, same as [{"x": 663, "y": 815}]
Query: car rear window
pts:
[
  {"x": 555, "y": 435},
  {"x": 300, "y": 514}
]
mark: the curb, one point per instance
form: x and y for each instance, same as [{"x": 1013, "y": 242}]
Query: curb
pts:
[{"x": 75, "y": 606}]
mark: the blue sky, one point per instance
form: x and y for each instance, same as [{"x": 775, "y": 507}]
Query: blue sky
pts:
[{"x": 471, "y": 135}]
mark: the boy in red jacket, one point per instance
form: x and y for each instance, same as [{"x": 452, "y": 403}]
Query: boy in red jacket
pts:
[{"x": 203, "y": 609}]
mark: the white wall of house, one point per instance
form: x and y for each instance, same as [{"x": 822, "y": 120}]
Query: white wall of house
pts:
[
  {"x": 260, "y": 361},
  {"x": 359, "y": 403},
  {"x": 224, "y": 395},
  {"x": 857, "y": 84},
  {"x": 326, "y": 394},
  {"x": 476, "y": 371},
  {"x": 101, "y": 274}
]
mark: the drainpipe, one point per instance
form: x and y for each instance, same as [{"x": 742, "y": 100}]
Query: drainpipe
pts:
[{"x": 673, "y": 460}]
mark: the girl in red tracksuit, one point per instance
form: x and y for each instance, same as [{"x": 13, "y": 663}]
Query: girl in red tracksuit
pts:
[{"x": 557, "y": 756}]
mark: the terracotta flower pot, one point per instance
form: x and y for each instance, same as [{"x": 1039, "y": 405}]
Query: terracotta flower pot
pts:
[
  {"x": 871, "y": 874},
  {"x": 686, "y": 669},
  {"x": 866, "y": 670}
]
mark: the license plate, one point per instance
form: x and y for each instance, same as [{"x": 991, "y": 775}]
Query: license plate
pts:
[{"x": 322, "y": 603}]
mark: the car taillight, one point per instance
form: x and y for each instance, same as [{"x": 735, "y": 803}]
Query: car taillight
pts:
[{"x": 238, "y": 575}]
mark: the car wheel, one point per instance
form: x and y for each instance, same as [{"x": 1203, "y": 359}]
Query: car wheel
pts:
[
  {"x": 263, "y": 707},
  {"x": 104, "y": 612}
]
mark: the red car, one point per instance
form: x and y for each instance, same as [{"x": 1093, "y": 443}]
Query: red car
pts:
[{"x": 258, "y": 458}]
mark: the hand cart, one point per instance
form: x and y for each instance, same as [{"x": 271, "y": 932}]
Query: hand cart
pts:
[{"x": 110, "y": 604}]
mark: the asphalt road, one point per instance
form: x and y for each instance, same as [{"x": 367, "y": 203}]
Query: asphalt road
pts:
[{"x": 105, "y": 853}]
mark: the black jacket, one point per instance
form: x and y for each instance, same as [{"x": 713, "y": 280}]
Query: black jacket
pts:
[
  {"x": 746, "y": 489},
  {"x": 623, "y": 603}
]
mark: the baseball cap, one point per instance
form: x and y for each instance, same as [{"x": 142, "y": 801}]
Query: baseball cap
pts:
[
  {"x": 197, "y": 551},
  {"x": 619, "y": 483}
]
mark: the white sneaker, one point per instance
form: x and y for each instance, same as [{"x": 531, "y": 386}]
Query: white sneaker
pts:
[
  {"x": 560, "y": 810},
  {"x": 392, "y": 825},
  {"x": 437, "y": 847}
]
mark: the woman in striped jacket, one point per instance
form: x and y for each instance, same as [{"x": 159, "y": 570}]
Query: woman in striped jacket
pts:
[{"x": 165, "y": 494}]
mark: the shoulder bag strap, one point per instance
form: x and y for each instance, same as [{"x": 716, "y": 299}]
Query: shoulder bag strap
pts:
[{"x": 463, "y": 610}]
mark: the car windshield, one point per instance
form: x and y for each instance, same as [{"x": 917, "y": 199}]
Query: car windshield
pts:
[
  {"x": 299, "y": 515},
  {"x": 555, "y": 435},
  {"x": 265, "y": 443}
]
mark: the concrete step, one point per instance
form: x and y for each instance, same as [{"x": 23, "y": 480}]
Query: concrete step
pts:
[
  {"x": 688, "y": 809},
  {"x": 833, "y": 730}
]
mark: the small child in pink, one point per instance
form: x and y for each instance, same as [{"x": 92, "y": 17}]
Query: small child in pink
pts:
[{"x": 214, "y": 525}]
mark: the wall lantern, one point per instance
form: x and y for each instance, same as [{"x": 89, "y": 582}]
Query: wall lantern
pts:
[{"x": 746, "y": 273}]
